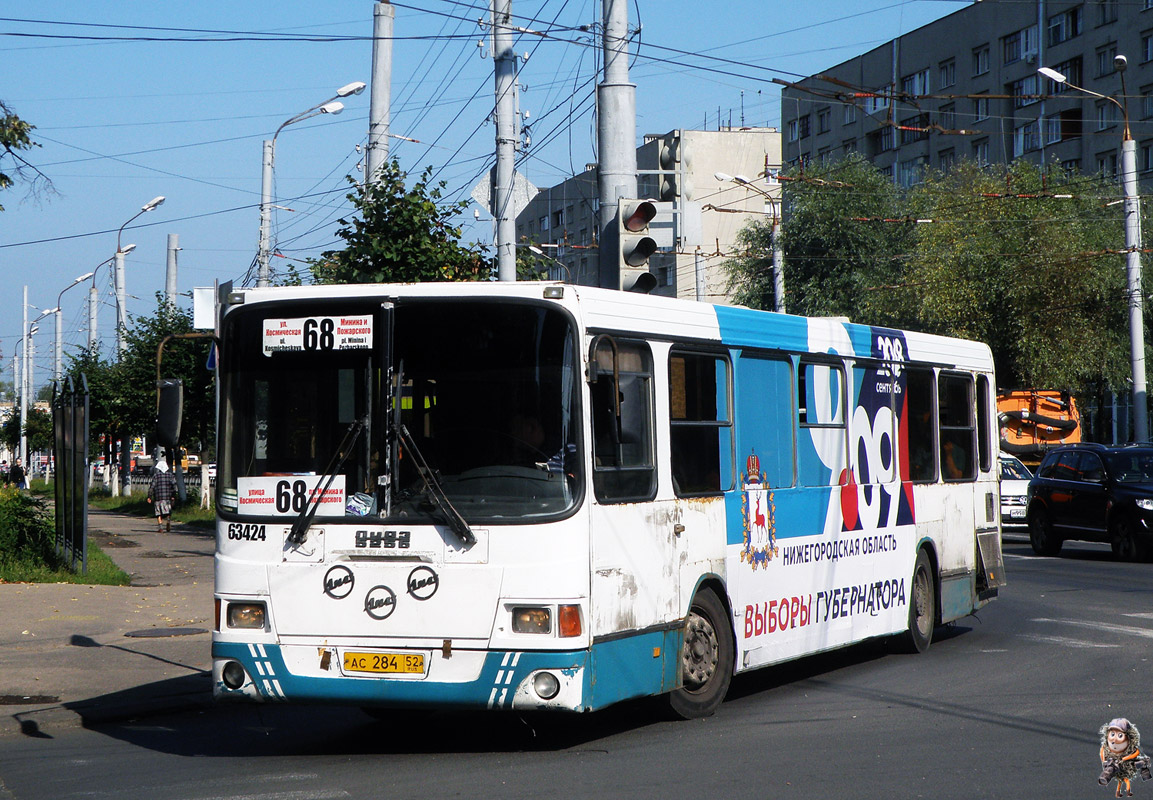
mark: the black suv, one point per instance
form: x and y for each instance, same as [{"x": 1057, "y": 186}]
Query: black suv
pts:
[{"x": 1094, "y": 493}]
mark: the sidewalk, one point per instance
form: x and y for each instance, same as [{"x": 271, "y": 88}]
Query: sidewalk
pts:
[{"x": 73, "y": 654}]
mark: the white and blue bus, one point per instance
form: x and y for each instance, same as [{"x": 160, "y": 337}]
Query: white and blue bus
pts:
[{"x": 546, "y": 496}]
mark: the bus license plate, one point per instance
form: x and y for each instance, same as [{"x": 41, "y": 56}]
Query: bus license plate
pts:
[{"x": 385, "y": 663}]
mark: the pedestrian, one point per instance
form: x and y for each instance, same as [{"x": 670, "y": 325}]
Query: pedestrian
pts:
[
  {"x": 16, "y": 475},
  {"x": 161, "y": 493},
  {"x": 4, "y": 471}
]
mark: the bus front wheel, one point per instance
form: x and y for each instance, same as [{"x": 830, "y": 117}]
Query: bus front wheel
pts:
[
  {"x": 707, "y": 658},
  {"x": 922, "y": 606}
]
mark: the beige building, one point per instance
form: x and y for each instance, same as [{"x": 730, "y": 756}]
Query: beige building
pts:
[{"x": 707, "y": 211}]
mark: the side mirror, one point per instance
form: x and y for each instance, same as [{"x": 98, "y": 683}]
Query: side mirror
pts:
[{"x": 169, "y": 411}]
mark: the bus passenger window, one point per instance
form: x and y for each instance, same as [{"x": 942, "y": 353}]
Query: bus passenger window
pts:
[
  {"x": 958, "y": 432},
  {"x": 623, "y": 465},
  {"x": 700, "y": 431},
  {"x": 922, "y": 429}
]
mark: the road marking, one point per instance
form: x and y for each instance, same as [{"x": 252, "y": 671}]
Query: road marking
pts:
[
  {"x": 1063, "y": 640},
  {"x": 1144, "y": 633},
  {"x": 1141, "y": 615}
]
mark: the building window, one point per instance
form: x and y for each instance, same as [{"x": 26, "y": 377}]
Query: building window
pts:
[
  {"x": 849, "y": 114},
  {"x": 980, "y": 60},
  {"x": 947, "y": 73},
  {"x": 1025, "y": 91},
  {"x": 558, "y": 218},
  {"x": 1017, "y": 45},
  {"x": 1106, "y": 114},
  {"x": 1146, "y": 102},
  {"x": 1071, "y": 167},
  {"x": 1059, "y": 127},
  {"x": 803, "y": 130},
  {"x": 881, "y": 141},
  {"x": 949, "y": 117},
  {"x": 1071, "y": 69},
  {"x": 1105, "y": 56},
  {"x": 980, "y": 108},
  {"x": 1064, "y": 26},
  {"x": 878, "y": 101},
  {"x": 946, "y": 159},
  {"x": 1107, "y": 164},
  {"x": 916, "y": 84},
  {"x": 1025, "y": 138},
  {"x": 914, "y": 129},
  {"x": 544, "y": 222},
  {"x": 886, "y": 172},
  {"x": 981, "y": 152},
  {"x": 911, "y": 171},
  {"x": 792, "y": 130},
  {"x": 1146, "y": 156},
  {"x": 1106, "y": 11},
  {"x": 824, "y": 155},
  {"x": 849, "y": 146},
  {"x": 823, "y": 120},
  {"x": 1147, "y": 46}
]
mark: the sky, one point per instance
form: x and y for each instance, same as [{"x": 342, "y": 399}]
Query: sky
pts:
[{"x": 134, "y": 100}]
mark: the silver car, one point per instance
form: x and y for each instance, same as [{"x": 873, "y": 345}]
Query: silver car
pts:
[{"x": 1014, "y": 490}]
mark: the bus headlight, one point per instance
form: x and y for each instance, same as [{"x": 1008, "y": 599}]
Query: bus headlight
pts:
[
  {"x": 233, "y": 675},
  {"x": 531, "y": 620},
  {"x": 246, "y": 615}
]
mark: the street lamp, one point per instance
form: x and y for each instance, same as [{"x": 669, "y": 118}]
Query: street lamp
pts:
[
  {"x": 329, "y": 106},
  {"x": 28, "y": 351},
  {"x": 121, "y": 310},
  {"x": 778, "y": 251},
  {"x": 1132, "y": 248},
  {"x": 58, "y": 372}
]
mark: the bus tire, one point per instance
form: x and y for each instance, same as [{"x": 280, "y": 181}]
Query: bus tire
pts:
[
  {"x": 707, "y": 658},
  {"x": 922, "y": 605}
]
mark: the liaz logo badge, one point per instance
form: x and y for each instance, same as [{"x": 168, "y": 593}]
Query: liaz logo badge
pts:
[{"x": 759, "y": 513}]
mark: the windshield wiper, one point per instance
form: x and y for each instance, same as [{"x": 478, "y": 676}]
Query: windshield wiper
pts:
[
  {"x": 455, "y": 521},
  {"x": 303, "y": 521}
]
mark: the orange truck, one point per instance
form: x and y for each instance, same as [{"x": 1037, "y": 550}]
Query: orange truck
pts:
[{"x": 1034, "y": 420}]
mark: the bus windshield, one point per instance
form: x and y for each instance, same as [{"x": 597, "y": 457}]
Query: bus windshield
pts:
[{"x": 486, "y": 391}]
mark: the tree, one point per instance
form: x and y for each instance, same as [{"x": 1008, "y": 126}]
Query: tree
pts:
[
  {"x": 1025, "y": 259},
  {"x": 1022, "y": 257},
  {"x": 38, "y": 430},
  {"x": 400, "y": 234},
  {"x": 16, "y": 136},
  {"x": 836, "y": 239}
]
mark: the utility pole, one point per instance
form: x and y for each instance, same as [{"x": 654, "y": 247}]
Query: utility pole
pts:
[
  {"x": 616, "y": 134},
  {"x": 265, "y": 213},
  {"x": 121, "y": 304},
  {"x": 380, "y": 99},
  {"x": 505, "y": 61},
  {"x": 93, "y": 303},
  {"x": 23, "y": 455},
  {"x": 170, "y": 269}
]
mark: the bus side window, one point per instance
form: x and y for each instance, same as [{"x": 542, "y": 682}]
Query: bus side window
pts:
[
  {"x": 700, "y": 431},
  {"x": 955, "y": 419},
  {"x": 623, "y": 464},
  {"x": 922, "y": 428}
]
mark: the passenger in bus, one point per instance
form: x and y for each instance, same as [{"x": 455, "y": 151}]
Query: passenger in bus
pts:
[{"x": 953, "y": 461}]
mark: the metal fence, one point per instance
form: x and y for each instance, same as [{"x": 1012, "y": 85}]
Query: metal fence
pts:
[{"x": 70, "y": 447}]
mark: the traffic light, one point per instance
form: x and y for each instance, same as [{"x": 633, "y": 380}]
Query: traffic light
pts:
[
  {"x": 675, "y": 166},
  {"x": 635, "y": 245}
]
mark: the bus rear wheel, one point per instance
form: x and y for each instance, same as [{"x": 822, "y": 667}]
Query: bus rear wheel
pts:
[
  {"x": 922, "y": 606},
  {"x": 707, "y": 658}
]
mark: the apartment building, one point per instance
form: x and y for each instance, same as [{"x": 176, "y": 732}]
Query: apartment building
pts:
[
  {"x": 709, "y": 211},
  {"x": 967, "y": 86}
]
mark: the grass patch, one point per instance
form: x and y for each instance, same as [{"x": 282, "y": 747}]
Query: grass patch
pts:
[
  {"x": 27, "y": 549},
  {"x": 138, "y": 506}
]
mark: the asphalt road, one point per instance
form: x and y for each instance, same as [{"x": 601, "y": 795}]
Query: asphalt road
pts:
[{"x": 1004, "y": 705}]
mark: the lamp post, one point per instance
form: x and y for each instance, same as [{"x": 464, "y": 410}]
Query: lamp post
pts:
[
  {"x": 1135, "y": 300},
  {"x": 28, "y": 351},
  {"x": 58, "y": 372},
  {"x": 121, "y": 310},
  {"x": 778, "y": 251},
  {"x": 93, "y": 304},
  {"x": 329, "y": 106}
]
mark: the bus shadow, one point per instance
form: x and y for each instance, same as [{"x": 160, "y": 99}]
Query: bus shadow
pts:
[{"x": 194, "y": 729}]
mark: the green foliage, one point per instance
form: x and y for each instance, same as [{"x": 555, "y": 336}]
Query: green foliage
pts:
[
  {"x": 38, "y": 430},
  {"x": 26, "y": 530},
  {"x": 983, "y": 252},
  {"x": 401, "y": 235}
]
